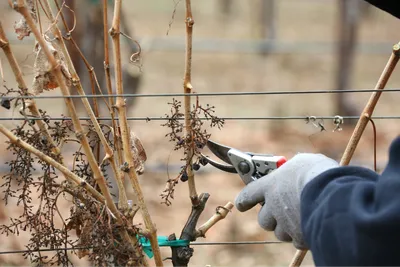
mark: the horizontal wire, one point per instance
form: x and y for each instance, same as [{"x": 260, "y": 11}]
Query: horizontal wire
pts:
[
  {"x": 235, "y": 243},
  {"x": 224, "y": 118},
  {"x": 211, "y": 94},
  {"x": 39, "y": 250},
  {"x": 192, "y": 244}
]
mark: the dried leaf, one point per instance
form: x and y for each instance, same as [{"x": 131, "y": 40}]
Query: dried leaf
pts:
[
  {"x": 83, "y": 226},
  {"x": 21, "y": 27},
  {"x": 44, "y": 78},
  {"x": 138, "y": 152},
  {"x": 85, "y": 238}
]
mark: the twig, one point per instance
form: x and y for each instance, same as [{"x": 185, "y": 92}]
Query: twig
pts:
[
  {"x": 20, "y": 7},
  {"x": 117, "y": 137},
  {"x": 67, "y": 173},
  {"x": 182, "y": 255},
  {"x": 220, "y": 214},
  {"x": 298, "y": 258},
  {"x": 128, "y": 157},
  {"x": 30, "y": 103},
  {"x": 109, "y": 153},
  {"x": 187, "y": 88},
  {"x": 90, "y": 69},
  {"x": 369, "y": 108},
  {"x": 374, "y": 132},
  {"x": 360, "y": 127}
]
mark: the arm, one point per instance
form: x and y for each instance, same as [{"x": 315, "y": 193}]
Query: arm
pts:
[
  {"x": 390, "y": 6},
  {"x": 345, "y": 215},
  {"x": 351, "y": 216}
]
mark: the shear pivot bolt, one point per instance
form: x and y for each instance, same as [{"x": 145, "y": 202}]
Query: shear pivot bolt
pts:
[{"x": 244, "y": 167}]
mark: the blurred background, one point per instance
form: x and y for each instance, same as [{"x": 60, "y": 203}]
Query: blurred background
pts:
[{"x": 238, "y": 46}]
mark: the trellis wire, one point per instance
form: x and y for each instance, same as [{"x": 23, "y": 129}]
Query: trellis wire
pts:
[
  {"x": 209, "y": 94},
  {"x": 212, "y": 45},
  {"x": 224, "y": 118},
  {"x": 192, "y": 244}
]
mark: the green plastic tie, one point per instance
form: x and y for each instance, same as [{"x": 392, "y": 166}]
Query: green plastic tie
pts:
[
  {"x": 97, "y": 2},
  {"x": 162, "y": 242}
]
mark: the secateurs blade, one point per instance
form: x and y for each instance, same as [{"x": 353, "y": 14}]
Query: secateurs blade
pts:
[{"x": 249, "y": 166}]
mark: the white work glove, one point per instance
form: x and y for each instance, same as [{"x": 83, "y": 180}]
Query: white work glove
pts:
[{"x": 281, "y": 191}]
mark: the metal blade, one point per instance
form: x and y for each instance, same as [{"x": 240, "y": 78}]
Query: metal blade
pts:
[
  {"x": 220, "y": 151},
  {"x": 222, "y": 167}
]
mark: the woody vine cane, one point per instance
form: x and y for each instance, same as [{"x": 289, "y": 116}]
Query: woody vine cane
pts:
[
  {"x": 109, "y": 153},
  {"x": 120, "y": 133},
  {"x": 21, "y": 8},
  {"x": 187, "y": 88},
  {"x": 128, "y": 157},
  {"x": 81, "y": 176},
  {"x": 361, "y": 125},
  {"x": 194, "y": 139}
]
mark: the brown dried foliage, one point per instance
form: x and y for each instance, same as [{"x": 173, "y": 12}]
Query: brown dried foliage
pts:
[
  {"x": 197, "y": 140},
  {"x": 107, "y": 238},
  {"x": 44, "y": 78},
  {"x": 90, "y": 223},
  {"x": 21, "y": 27}
]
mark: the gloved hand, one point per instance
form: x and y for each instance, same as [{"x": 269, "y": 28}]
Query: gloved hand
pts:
[{"x": 281, "y": 191}]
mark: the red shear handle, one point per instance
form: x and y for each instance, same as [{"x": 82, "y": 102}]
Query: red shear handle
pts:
[
  {"x": 275, "y": 162},
  {"x": 280, "y": 161}
]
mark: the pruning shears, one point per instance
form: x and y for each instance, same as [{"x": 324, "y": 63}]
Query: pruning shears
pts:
[{"x": 249, "y": 166}]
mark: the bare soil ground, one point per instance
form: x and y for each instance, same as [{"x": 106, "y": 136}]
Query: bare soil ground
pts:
[{"x": 217, "y": 72}]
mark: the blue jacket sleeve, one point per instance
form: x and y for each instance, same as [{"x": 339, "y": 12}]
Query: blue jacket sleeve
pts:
[
  {"x": 351, "y": 215},
  {"x": 390, "y": 6}
]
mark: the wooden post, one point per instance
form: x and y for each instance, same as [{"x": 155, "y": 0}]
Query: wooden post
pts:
[{"x": 347, "y": 36}]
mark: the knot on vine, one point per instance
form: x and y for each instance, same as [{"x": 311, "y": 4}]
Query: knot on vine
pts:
[{"x": 125, "y": 167}]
